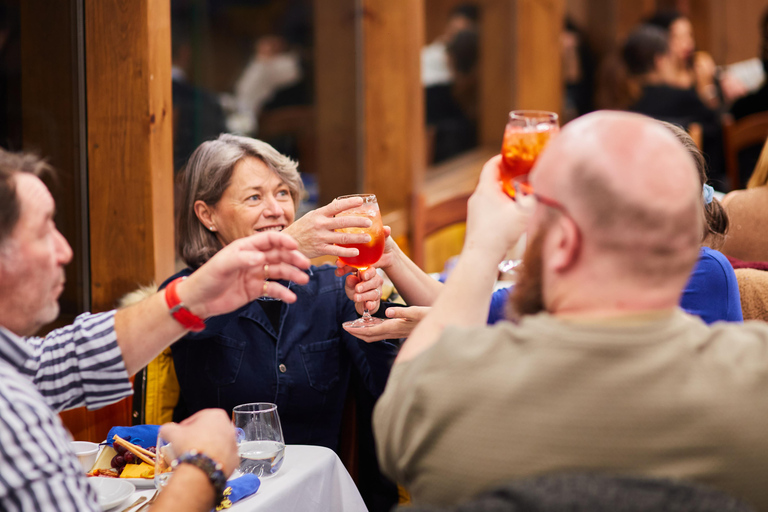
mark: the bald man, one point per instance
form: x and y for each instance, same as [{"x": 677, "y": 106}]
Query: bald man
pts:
[{"x": 603, "y": 372}]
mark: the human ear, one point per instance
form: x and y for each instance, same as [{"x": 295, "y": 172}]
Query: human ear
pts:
[
  {"x": 566, "y": 244},
  {"x": 205, "y": 214}
]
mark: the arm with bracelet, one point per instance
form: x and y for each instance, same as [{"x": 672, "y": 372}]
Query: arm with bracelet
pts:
[
  {"x": 233, "y": 277},
  {"x": 206, "y": 441}
]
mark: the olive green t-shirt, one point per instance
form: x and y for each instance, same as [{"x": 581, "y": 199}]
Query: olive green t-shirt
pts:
[{"x": 661, "y": 397}]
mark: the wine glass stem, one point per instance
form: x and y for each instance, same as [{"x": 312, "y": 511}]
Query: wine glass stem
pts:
[{"x": 366, "y": 314}]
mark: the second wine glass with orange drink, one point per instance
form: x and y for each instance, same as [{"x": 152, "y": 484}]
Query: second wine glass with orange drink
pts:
[
  {"x": 526, "y": 135},
  {"x": 369, "y": 253}
]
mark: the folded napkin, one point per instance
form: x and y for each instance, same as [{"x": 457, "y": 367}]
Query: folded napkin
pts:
[
  {"x": 142, "y": 435},
  {"x": 239, "y": 488}
]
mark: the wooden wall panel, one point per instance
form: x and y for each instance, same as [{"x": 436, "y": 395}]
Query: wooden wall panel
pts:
[
  {"x": 393, "y": 100},
  {"x": 519, "y": 61},
  {"x": 130, "y": 162},
  {"x": 610, "y": 21},
  {"x": 539, "y": 24},
  {"x": 728, "y": 29},
  {"x": 51, "y": 121},
  {"x": 336, "y": 98},
  {"x": 129, "y": 145}
]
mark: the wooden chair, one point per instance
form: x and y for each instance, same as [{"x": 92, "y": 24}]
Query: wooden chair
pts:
[
  {"x": 429, "y": 219},
  {"x": 739, "y": 135}
]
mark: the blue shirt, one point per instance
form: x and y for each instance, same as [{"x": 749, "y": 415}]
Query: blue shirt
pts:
[
  {"x": 303, "y": 366},
  {"x": 712, "y": 292}
]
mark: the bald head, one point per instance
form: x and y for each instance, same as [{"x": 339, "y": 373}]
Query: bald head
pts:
[{"x": 633, "y": 190}]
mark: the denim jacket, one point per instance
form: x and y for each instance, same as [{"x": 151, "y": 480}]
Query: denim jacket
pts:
[{"x": 304, "y": 368}]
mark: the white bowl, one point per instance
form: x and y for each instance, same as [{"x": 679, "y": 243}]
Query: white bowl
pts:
[{"x": 86, "y": 453}]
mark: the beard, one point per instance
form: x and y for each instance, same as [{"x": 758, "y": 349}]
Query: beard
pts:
[{"x": 527, "y": 297}]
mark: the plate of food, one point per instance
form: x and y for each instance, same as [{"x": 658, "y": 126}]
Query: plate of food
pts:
[
  {"x": 126, "y": 462},
  {"x": 111, "y": 492}
]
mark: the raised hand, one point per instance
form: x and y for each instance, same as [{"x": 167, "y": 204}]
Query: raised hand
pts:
[
  {"x": 495, "y": 222},
  {"x": 316, "y": 235},
  {"x": 242, "y": 271},
  {"x": 209, "y": 431}
]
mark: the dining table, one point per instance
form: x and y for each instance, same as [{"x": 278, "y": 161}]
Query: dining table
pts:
[{"x": 311, "y": 479}]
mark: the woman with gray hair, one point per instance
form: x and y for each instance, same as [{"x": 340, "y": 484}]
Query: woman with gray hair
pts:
[{"x": 295, "y": 355}]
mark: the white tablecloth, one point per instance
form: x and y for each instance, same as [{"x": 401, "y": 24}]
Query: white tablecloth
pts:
[{"x": 312, "y": 479}]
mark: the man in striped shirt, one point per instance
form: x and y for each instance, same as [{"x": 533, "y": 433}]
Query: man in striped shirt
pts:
[{"x": 88, "y": 363}]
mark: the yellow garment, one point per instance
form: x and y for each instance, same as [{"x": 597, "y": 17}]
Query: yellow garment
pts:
[
  {"x": 142, "y": 470},
  {"x": 162, "y": 389}
]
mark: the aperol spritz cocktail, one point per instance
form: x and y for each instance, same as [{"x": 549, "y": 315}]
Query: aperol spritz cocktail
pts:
[
  {"x": 369, "y": 253},
  {"x": 527, "y": 132}
]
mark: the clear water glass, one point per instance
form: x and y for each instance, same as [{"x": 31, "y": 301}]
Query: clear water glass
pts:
[
  {"x": 164, "y": 457},
  {"x": 260, "y": 442}
]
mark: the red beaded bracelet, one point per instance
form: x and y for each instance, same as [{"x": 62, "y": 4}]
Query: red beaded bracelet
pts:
[{"x": 179, "y": 311}]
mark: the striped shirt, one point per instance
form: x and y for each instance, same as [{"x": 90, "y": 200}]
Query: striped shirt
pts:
[{"x": 74, "y": 366}]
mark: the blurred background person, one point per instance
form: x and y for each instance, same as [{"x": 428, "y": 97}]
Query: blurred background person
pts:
[
  {"x": 435, "y": 69},
  {"x": 578, "y": 64},
  {"x": 197, "y": 113},
  {"x": 651, "y": 65},
  {"x": 273, "y": 66},
  {"x": 449, "y": 76},
  {"x": 693, "y": 69},
  {"x": 451, "y": 108}
]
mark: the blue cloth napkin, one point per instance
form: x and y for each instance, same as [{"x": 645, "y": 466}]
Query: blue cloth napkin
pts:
[
  {"x": 142, "y": 435},
  {"x": 239, "y": 488}
]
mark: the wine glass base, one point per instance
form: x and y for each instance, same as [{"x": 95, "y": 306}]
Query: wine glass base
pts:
[{"x": 363, "y": 322}]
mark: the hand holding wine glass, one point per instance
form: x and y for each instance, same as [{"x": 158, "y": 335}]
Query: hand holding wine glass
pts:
[{"x": 369, "y": 253}]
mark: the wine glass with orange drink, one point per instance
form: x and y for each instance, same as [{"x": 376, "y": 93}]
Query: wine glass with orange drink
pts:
[
  {"x": 369, "y": 253},
  {"x": 525, "y": 137}
]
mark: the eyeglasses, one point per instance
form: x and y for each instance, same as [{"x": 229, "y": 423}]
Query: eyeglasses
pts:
[
  {"x": 524, "y": 189},
  {"x": 527, "y": 197}
]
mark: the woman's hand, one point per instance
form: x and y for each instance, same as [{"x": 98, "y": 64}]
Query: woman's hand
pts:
[
  {"x": 316, "y": 231},
  {"x": 402, "y": 322},
  {"x": 386, "y": 260},
  {"x": 365, "y": 293}
]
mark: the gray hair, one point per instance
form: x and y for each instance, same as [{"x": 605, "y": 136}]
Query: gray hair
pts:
[{"x": 207, "y": 175}]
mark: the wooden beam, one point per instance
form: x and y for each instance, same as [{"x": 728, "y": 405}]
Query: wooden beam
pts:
[
  {"x": 130, "y": 148},
  {"x": 336, "y": 89},
  {"x": 393, "y": 101},
  {"x": 51, "y": 120},
  {"x": 130, "y": 163},
  {"x": 519, "y": 61},
  {"x": 609, "y": 22}
]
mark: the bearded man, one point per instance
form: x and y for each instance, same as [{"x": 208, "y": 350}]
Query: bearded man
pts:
[{"x": 603, "y": 372}]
